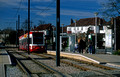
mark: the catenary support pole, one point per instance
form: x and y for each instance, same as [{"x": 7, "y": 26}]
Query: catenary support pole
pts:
[
  {"x": 16, "y": 34},
  {"x": 114, "y": 34},
  {"x": 18, "y": 29},
  {"x": 28, "y": 25},
  {"x": 58, "y": 33}
]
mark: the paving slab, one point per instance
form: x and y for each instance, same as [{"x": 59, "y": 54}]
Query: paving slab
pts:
[
  {"x": 105, "y": 58},
  {"x": 4, "y": 59},
  {"x": 73, "y": 55},
  {"x": 96, "y": 58}
]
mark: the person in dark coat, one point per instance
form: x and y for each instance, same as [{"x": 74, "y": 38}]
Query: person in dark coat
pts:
[
  {"x": 63, "y": 46},
  {"x": 81, "y": 46},
  {"x": 90, "y": 45},
  {"x": 84, "y": 46}
]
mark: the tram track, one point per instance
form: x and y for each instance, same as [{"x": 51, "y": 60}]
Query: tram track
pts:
[
  {"x": 25, "y": 61},
  {"x": 79, "y": 65},
  {"x": 65, "y": 63}
]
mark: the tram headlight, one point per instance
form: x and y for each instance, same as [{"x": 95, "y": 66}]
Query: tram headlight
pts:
[{"x": 30, "y": 47}]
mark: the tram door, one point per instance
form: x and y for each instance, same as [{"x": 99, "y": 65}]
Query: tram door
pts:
[{"x": 65, "y": 43}]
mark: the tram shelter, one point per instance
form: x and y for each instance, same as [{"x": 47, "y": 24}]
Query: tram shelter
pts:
[{"x": 67, "y": 42}]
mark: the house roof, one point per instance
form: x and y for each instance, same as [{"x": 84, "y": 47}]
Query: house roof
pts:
[
  {"x": 64, "y": 29},
  {"x": 42, "y": 27},
  {"x": 89, "y": 21}
]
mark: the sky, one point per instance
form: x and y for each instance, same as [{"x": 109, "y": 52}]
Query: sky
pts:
[{"x": 45, "y": 10}]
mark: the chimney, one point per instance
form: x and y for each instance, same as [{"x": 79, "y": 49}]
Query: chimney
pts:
[
  {"x": 112, "y": 21},
  {"x": 71, "y": 20},
  {"x": 34, "y": 26},
  {"x": 100, "y": 22}
]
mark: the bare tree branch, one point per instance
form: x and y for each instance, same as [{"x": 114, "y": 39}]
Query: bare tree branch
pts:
[{"x": 111, "y": 8}]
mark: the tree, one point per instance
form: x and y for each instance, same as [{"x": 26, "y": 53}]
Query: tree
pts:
[
  {"x": 41, "y": 22},
  {"x": 9, "y": 35},
  {"x": 25, "y": 25},
  {"x": 12, "y": 37},
  {"x": 7, "y": 30},
  {"x": 111, "y": 8}
]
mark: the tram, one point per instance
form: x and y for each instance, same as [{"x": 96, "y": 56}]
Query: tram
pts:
[{"x": 36, "y": 43}]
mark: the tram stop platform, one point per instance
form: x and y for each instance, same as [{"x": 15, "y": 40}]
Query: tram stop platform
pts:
[
  {"x": 4, "y": 59},
  {"x": 109, "y": 59}
]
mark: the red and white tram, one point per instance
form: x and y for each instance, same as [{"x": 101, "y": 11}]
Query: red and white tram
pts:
[{"x": 37, "y": 42}]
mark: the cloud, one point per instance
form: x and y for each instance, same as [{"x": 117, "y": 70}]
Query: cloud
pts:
[
  {"x": 44, "y": 11},
  {"x": 52, "y": 11},
  {"x": 97, "y": 1},
  {"x": 16, "y": 2},
  {"x": 102, "y": 1},
  {"x": 75, "y": 13},
  {"x": 42, "y": 0},
  {"x": 43, "y": 14},
  {"x": 7, "y": 3},
  {"x": 79, "y": 0},
  {"x": 64, "y": 12}
]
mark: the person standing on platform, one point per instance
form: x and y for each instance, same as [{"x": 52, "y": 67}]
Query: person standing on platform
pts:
[
  {"x": 79, "y": 49},
  {"x": 90, "y": 43},
  {"x": 80, "y": 46},
  {"x": 63, "y": 46},
  {"x": 84, "y": 46}
]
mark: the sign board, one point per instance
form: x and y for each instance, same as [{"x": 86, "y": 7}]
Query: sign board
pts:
[
  {"x": 96, "y": 29},
  {"x": 108, "y": 38},
  {"x": 25, "y": 35}
]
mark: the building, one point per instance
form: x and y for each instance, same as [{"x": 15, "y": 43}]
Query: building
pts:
[
  {"x": 82, "y": 26},
  {"x": 87, "y": 26},
  {"x": 3, "y": 36}
]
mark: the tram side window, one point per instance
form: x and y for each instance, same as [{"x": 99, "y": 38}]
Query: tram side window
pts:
[
  {"x": 30, "y": 41},
  {"x": 37, "y": 38},
  {"x": 20, "y": 42},
  {"x": 26, "y": 41}
]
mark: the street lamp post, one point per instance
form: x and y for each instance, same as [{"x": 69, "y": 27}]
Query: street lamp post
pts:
[
  {"x": 62, "y": 29},
  {"x": 96, "y": 13},
  {"x": 114, "y": 34},
  {"x": 53, "y": 34},
  {"x": 62, "y": 36},
  {"x": 75, "y": 31}
]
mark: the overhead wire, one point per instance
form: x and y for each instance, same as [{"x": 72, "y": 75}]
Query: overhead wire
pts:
[
  {"x": 44, "y": 9},
  {"x": 18, "y": 9}
]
